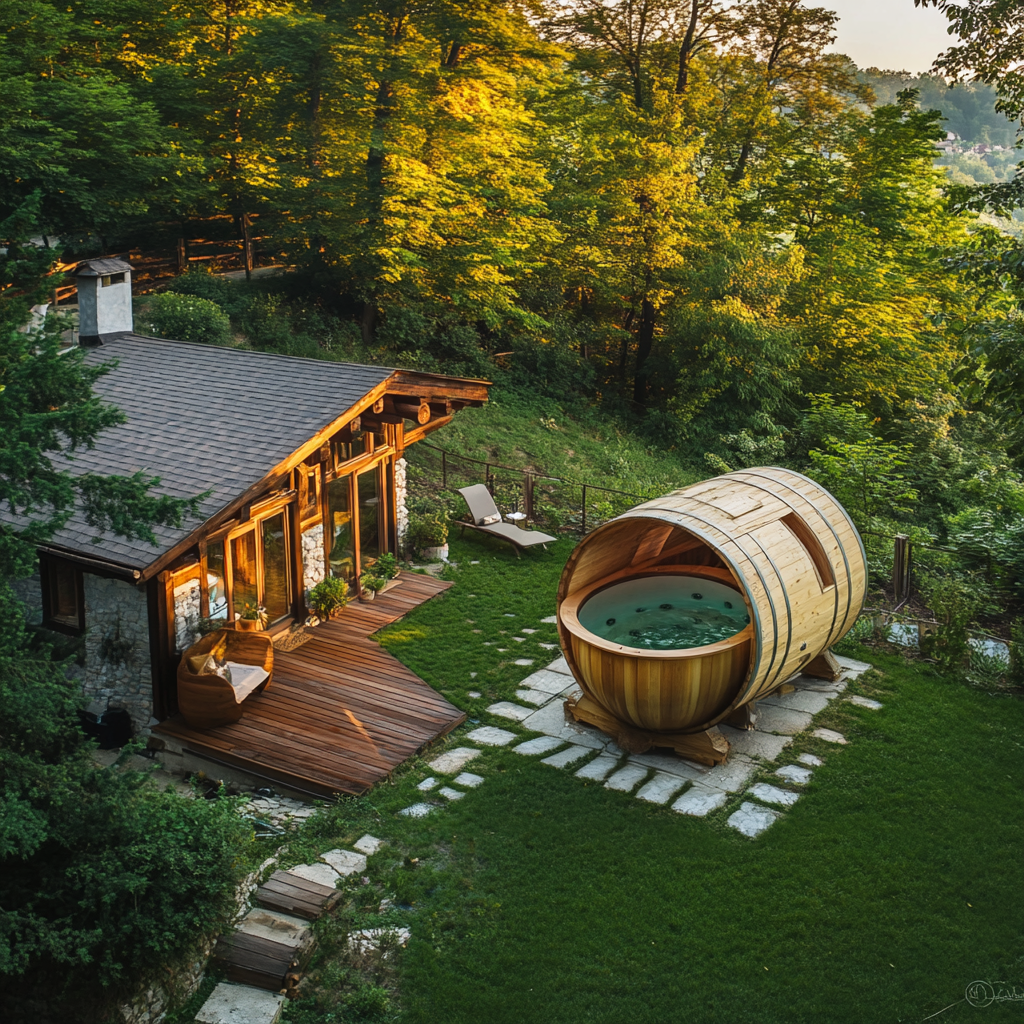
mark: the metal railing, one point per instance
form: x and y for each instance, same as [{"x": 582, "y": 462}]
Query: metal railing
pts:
[{"x": 527, "y": 481}]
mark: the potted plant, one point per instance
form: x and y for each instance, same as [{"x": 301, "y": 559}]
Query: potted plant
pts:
[
  {"x": 253, "y": 618},
  {"x": 327, "y": 597},
  {"x": 371, "y": 585},
  {"x": 428, "y": 534}
]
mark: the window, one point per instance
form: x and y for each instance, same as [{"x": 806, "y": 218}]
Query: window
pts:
[
  {"x": 215, "y": 585},
  {"x": 63, "y": 599},
  {"x": 343, "y": 451},
  {"x": 309, "y": 492},
  {"x": 340, "y": 536},
  {"x": 110, "y": 279},
  {"x": 815, "y": 552}
]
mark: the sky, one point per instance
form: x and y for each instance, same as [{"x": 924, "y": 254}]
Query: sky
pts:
[{"x": 888, "y": 34}]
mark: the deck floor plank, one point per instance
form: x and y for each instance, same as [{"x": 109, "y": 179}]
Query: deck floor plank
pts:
[{"x": 341, "y": 712}]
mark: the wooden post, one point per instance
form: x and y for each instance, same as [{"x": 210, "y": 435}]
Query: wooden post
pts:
[
  {"x": 247, "y": 247},
  {"x": 182, "y": 258},
  {"x": 444, "y": 471},
  {"x": 528, "y": 496},
  {"x": 583, "y": 524},
  {"x": 900, "y": 569}
]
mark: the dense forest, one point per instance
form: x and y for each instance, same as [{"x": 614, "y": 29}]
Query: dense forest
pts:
[{"x": 689, "y": 215}]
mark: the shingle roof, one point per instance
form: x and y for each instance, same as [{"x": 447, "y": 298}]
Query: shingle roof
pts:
[
  {"x": 204, "y": 418},
  {"x": 100, "y": 267}
]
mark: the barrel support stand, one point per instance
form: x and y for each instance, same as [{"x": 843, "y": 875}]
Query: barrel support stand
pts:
[
  {"x": 709, "y": 747},
  {"x": 824, "y": 666}
]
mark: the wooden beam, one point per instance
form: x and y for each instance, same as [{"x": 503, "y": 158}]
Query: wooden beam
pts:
[{"x": 421, "y": 432}]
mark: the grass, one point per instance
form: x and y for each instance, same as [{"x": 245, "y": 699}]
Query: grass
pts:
[{"x": 894, "y": 882}]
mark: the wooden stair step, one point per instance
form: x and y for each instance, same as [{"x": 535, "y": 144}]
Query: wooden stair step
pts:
[{"x": 292, "y": 894}]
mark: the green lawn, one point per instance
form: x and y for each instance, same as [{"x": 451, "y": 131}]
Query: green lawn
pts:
[{"x": 894, "y": 882}]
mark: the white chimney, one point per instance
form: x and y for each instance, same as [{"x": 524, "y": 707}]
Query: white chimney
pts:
[{"x": 104, "y": 299}]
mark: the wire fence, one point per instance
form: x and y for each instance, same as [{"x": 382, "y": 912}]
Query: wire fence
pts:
[{"x": 559, "y": 503}]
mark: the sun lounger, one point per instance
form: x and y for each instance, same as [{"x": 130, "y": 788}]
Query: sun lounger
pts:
[{"x": 487, "y": 519}]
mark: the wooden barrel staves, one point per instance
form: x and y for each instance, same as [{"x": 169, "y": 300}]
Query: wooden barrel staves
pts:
[{"x": 779, "y": 559}]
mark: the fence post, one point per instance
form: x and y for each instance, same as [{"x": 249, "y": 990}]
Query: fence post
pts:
[
  {"x": 583, "y": 524},
  {"x": 247, "y": 253},
  {"x": 900, "y": 569},
  {"x": 444, "y": 472},
  {"x": 528, "y": 495},
  {"x": 182, "y": 258}
]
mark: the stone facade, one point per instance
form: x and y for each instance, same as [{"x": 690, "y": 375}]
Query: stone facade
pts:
[
  {"x": 30, "y": 592},
  {"x": 118, "y": 672},
  {"x": 186, "y": 614},
  {"x": 313, "y": 561},
  {"x": 401, "y": 492}
]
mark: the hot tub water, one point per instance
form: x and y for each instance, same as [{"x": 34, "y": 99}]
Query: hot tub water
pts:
[{"x": 665, "y": 612}]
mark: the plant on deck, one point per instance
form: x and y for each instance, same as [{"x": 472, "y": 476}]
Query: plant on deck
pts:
[{"x": 328, "y": 596}]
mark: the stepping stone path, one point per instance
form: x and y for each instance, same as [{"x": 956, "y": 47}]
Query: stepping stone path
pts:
[
  {"x": 865, "y": 702},
  {"x": 751, "y": 820},
  {"x": 773, "y": 795},
  {"x": 690, "y": 789},
  {"x": 345, "y": 862},
  {"x": 368, "y": 845},
  {"x": 427, "y": 784},
  {"x": 240, "y": 1004},
  {"x": 367, "y": 939}
]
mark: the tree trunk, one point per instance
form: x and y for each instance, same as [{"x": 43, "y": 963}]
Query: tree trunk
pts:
[
  {"x": 686, "y": 50},
  {"x": 644, "y": 344}
]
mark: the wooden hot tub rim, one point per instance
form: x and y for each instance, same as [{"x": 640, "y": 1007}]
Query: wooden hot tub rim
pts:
[{"x": 568, "y": 612}]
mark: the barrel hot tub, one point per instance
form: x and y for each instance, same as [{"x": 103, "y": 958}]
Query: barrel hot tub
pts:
[{"x": 683, "y": 611}]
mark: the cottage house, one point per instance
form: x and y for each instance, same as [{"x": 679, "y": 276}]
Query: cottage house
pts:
[{"x": 300, "y": 466}]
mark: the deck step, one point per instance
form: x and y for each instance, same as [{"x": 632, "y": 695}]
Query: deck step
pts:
[{"x": 291, "y": 894}]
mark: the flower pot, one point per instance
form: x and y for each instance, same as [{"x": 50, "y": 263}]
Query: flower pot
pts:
[
  {"x": 248, "y": 625},
  {"x": 439, "y": 554},
  {"x": 367, "y": 595}
]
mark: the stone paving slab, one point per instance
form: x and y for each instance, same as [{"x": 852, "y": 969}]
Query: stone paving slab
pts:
[
  {"x": 550, "y": 720},
  {"x": 240, "y": 1004},
  {"x": 852, "y": 665},
  {"x": 732, "y": 776},
  {"x": 451, "y": 794},
  {"x": 781, "y": 720},
  {"x": 454, "y": 760},
  {"x": 540, "y": 745},
  {"x": 752, "y": 819},
  {"x": 469, "y": 780},
  {"x": 322, "y": 873},
  {"x": 799, "y": 700},
  {"x": 366, "y": 939},
  {"x": 550, "y": 620},
  {"x": 535, "y": 697},
  {"x": 671, "y": 765},
  {"x": 795, "y": 774},
  {"x": 773, "y": 795},
  {"x": 865, "y": 702},
  {"x": 523, "y": 662},
  {"x": 427, "y": 784},
  {"x": 546, "y": 681},
  {"x": 625, "y": 780},
  {"x": 269, "y": 924},
  {"x": 830, "y": 736},
  {"x": 560, "y": 665},
  {"x": 345, "y": 862},
  {"x": 568, "y": 756},
  {"x": 598, "y": 769},
  {"x": 489, "y": 736},
  {"x": 506, "y": 709},
  {"x": 700, "y": 800},
  {"x": 417, "y": 810},
  {"x": 661, "y": 788},
  {"x": 755, "y": 743},
  {"x": 811, "y": 759},
  {"x": 368, "y": 844}
]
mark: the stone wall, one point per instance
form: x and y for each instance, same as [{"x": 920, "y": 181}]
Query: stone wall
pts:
[
  {"x": 401, "y": 493},
  {"x": 30, "y": 592},
  {"x": 186, "y": 614},
  {"x": 118, "y": 672},
  {"x": 313, "y": 561}
]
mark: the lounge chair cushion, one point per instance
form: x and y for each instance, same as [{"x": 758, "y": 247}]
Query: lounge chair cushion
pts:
[{"x": 487, "y": 520}]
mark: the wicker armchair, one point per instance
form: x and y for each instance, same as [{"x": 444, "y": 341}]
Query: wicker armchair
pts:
[{"x": 207, "y": 701}]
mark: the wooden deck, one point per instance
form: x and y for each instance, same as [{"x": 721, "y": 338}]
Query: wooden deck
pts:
[{"x": 341, "y": 713}]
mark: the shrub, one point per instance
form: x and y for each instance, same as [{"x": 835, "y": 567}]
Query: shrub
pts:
[
  {"x": 428, "y": 531},
  {"x": 187, "y": 318},
  {"x": 330, "y": 594},
  {"x": 955, "y": 603},
  {"x": 104, "y": 880}
]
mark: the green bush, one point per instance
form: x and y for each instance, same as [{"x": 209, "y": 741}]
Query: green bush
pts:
[
  {"x": 105, "y": 881},
  {"x": 187, "y": 318},
  {"x": 955, "y": 602},
  {"x": 330, "y": 594}
]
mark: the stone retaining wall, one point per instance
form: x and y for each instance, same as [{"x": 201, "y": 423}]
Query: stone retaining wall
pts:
[
  {"x": 313, "y": 561},
  {"x": 186, "y": 614},
  {"x": 401, "y": 493}
]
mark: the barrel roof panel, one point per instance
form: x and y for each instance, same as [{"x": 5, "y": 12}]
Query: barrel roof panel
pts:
[{"x": 204, "y": 418}]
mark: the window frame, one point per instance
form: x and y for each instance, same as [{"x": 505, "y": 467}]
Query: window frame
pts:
[{"x": 48, "y": 566}]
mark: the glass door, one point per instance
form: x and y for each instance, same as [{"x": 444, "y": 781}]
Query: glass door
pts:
[
  {"x": 277, "y": 591},
  {"x": 244, "y": 572},
  {"x": 368, "y": 488}
]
